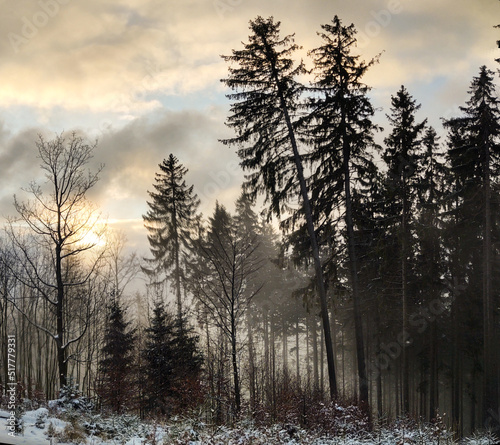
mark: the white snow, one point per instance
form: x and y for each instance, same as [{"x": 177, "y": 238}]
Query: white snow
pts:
[{"x": 194, "y": 432}]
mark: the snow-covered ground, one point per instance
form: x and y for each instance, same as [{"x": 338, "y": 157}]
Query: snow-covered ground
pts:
[
  {"x": 127, "y": 430},
  {"x": 32, "y": 434}
]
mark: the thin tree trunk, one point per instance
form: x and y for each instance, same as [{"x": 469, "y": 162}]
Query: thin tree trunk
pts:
[
  {"x": 310, "y": 229},
  {"x": 251, "y": 364},
  {"x": 404, "y": 265},
  {"x": 322, "y": 368},
  {"x": 4, "y": 332},
  {"x": 491, "y": 385},
  {"x": 397, "y": 390},
  {"x": 284, "y": 333},
  {"x": 297, "y": 350},
  {"x": 266, "y": 383},
  {"x": 473, "y": 402},
  {"x": 61, "y": 351},
  {"x": 273, "y": 366},
  {"x": 455, "y": 405},
  {"x": 178, "y": 282},
  {"x": 353, "y": 268},
  {"x": 315, "y": 353},
  {"x": 236, "y": 378},
  {"x": 343, "y": 364},
  {"x": 308, "y": 353},
  {"x": 380, "y": 395},
  {"x": 177, "y": 272},
  {"x": 433, "y": 384}
]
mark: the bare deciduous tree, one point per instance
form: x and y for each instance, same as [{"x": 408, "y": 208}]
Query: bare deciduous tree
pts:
[
  {"x": 227, "y": 260},
  {"x": 52, "y": 237}
]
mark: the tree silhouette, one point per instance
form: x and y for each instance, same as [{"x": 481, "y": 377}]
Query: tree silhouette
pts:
[
  {"x": 57, "y": 222},
  {"x": 169, "y": 221},
  {"x": 475, "y": 159},
  {"x": 264, "y": 115},
  {"x": 402, "y": 148},
  {"x": 226, "y": 262},
  {"x": 342, "y": 131},
  {"x": 116, "y": 384}
]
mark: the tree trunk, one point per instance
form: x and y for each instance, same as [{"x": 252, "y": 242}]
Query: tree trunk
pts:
[
  {"x": 267, "y": 362},
  {"x": 404, "y": 296},
  {"x": 378, "y": 351},
  {"x": 380, "y": 411},
  {"x": 433, "y": 384},
  {"x": 310, "y": 229},
  {"x": 284, "y": 340},
  {"x": 353, "y": 269},
  {"x": 308, "y": 352},
  {"x": 343, "y": 363},
  {"x": 491, "y": 385},
  {"x": 273, "y": 366},
  {"x": 234, "y": 361},
  {"x": 251, "y": 364},
  {"x": 236, "y": 378},
  {"x": 297, "y": 350},
  {"x": 178, "y": 281},
  {"x": 322, "y": 368},
  {"x": 61, "y": 351},
  {"x": 4, "y": 332},
  {"x": 314, "y": 333},
  {"x": 455, "y": 399}
]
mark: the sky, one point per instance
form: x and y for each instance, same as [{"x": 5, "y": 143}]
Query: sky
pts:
[{"x": 143, "y": 78}]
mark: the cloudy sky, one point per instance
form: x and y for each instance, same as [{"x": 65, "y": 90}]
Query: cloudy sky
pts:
[{"x": 142, "y": 76}]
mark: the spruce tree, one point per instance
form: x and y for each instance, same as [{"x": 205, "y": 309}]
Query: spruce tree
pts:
[
  {"x": 116, "y": 386},
  {"x": 475, "y": 158},
  {"x": 264, "y": 114},
  {"x": 371, "y": 251},
  {"x": 430, "y": 264},
  {"x": 158, "y": 361},
  {"x": 460, "y": 240},
  {"x": 172, "y": 364},
  {"x": 342, "y": 132},
  {"x": 402, "y": 148},
  {"x": 169, "y": 221},
  {"x": 187, "y": 359}
]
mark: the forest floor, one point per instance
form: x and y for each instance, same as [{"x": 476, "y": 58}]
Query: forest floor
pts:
[{"x": 40, "y": 425}]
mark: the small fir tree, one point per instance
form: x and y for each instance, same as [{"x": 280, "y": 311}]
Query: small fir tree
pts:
[
  {"x": 172, "y": 364},
  {"x": 116, "y": 388},
  {"x": 158, "y": 364}
]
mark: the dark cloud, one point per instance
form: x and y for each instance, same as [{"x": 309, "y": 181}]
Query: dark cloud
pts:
[
  {"x": 132, "y": 155},
  {"x": 18, "y": 159}
]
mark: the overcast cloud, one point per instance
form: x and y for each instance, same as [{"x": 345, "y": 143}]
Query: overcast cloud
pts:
[{"x": 142, "y": 76}]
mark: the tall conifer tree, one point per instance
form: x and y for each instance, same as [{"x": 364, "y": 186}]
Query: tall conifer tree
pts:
[
  {"x": 169, "y": 221},
  {"x": 264, "y": 114},
  {"x": 475, "y": 158},
  {"x": 402, "y": 148},
  {"x": 430, "y": 262},
  {"x": 342, "y": 132}
]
